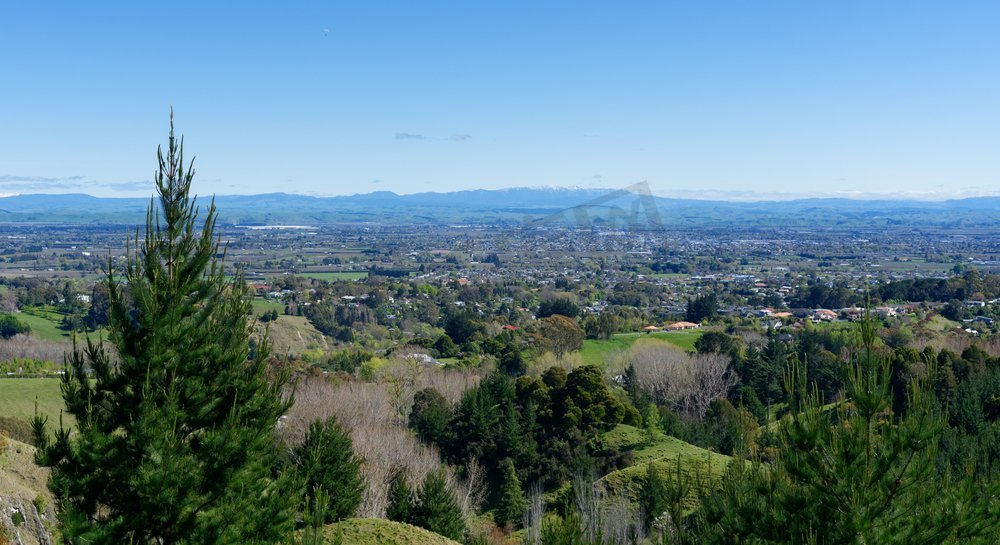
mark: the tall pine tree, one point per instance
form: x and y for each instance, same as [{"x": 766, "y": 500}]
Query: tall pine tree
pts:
[
  {"x": 175, "y": 424},
  {"x": 512, "y": 504},
  {"x": 400, "y": 506},
  {"x": 327, "y": 463}
]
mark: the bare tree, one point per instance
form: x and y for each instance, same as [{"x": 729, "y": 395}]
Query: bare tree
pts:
[
  {"x": 610, "y": 520},
  {"x": 371, "y": 413},
  {"x": 713, "y": 378},
  {"x": 473, "y": 487},
  {"x": 688, "y": 382},
  {"x": 533, "y": 516},
  {"x": 27, "y": 346}
]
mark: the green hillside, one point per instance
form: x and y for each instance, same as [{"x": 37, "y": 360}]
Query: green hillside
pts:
[
  {"x": 44, "y": 325},
  {"x": 664, "y": 452},
  {"x": 18, "y": 395},
  {"x": 383, "y": 532}
]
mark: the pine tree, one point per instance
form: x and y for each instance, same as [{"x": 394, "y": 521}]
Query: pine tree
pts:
[
  {"x": 326, "y": 462},
  {"x": 437, "y": 509},
  {"x": 314, "y": 517},
  {"x": 512, "y": 504},
  {"x": 864, "y": 476},
  {"x": 400, "y": 508},
  {"x": 175, "y": 430},
  {"x": 653, "y": 497}
]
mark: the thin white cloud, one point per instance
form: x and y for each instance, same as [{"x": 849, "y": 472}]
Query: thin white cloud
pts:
[{"x": 457, "y": 137}]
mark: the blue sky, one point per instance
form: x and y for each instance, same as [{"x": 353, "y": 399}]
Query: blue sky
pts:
[{"x": 715, "y": 99}]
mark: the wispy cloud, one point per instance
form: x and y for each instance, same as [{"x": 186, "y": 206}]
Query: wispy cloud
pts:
[
  {"x": 128, "y": 187},
  {"x": 11, "y": 182},
  {"x": 457, "y": 137},
  {"x": 46, "y": 184},
  {"x": 7, "y": 178}
]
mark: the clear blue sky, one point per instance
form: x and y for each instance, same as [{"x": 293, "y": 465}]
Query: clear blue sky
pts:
[{"x": 696, "y": 97}]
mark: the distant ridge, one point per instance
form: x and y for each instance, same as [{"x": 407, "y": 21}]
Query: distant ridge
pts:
[{"x": 481, "y": 206}]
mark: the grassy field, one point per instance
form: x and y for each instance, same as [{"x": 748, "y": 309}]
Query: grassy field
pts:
[
  {"x": 260, "y": 306},
  {"x": 46, "y": 322},
  {"x": 383, "y": 532},
  {"x": 333, "y": 275},
  {"x": 600, "y": 352},
  {"x": 18, "y": 395},
  {"x": 43, "y": 328},
  {"x": 701, "y": 467}
]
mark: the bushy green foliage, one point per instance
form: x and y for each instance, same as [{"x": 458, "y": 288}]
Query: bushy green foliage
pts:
[
  {"x": 327, "y": 464},
  {"x": 429, "y": 416},
  {"x": 400, "y": 506},
  {"x": 462, "y": 326},
  {"x": 348, "y": 361},
  {"x": 175, "y": 432},
  {"x": 716, "y": 342},
  {"x": 10, "y": 326},
  {"x": 562, "y": 306},
  {"x": 549, "y": 427},
  {"x": 445, "y": 347},
  {"x": 437, "y": 509}
]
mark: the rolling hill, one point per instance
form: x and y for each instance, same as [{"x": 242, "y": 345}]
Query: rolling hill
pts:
[{"x": 526, "y": 206}]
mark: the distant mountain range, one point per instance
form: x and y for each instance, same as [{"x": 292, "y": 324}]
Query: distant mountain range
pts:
[{"x": 533, "y": 207}]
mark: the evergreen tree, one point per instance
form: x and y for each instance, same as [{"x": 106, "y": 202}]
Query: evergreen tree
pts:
[
  {"x": 512, "y": 362},
  {"x": 653, "y": 497},
  {"x": 314, "y": 517},
  {"x": 400, "y": 508},
  {"x": 703, "y": 307},
  {"x": 326, "y": 462},
  {"x": 512, "y": 504},
  {"x": 429, "y": 416},
  {"x": 10, "y": 326},
  {"x": 437, "y": 509},
  {"x": 863, "y": 476},
  {"x": 445, "y": 347},
  {"x": 175, "y": 431}
]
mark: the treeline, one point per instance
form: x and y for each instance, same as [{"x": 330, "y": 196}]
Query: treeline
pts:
[
  {"x": 548, "y": 427},
  {"x": 970, "y": 285}
]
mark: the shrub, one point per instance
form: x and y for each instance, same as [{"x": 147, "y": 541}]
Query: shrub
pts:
[{"x": 327, "y": 462}]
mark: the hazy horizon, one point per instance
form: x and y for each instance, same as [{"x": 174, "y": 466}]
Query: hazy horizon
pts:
[{"x": 733, "y": 196}]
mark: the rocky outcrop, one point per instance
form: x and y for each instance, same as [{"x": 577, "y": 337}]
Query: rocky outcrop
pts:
[{"x": 27, "y": 514}]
